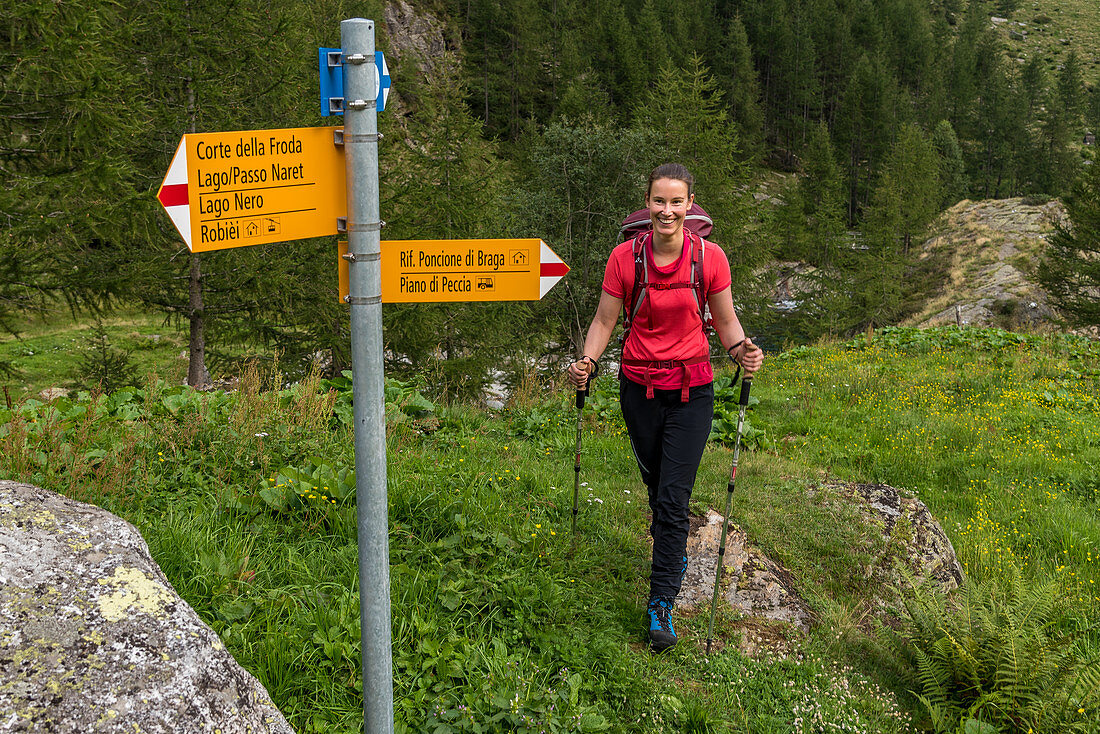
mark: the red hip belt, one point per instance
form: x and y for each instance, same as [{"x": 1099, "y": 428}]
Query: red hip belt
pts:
[{"x": 667, "y": 364}]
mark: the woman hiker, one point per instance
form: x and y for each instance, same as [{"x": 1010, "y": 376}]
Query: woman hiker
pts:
[{"x": 666, "y": 381}]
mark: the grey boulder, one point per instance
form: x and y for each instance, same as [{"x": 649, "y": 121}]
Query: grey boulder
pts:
[{"x": 93, "y": 638}]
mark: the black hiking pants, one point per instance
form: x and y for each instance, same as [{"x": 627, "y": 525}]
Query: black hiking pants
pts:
[{"x": 668, "y": 437}]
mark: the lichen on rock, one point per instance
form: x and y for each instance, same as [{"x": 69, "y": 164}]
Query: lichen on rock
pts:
[{"x": 136, "y": 592}]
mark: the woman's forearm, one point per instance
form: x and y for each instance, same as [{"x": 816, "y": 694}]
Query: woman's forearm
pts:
[{"x": 602, "y": 326}]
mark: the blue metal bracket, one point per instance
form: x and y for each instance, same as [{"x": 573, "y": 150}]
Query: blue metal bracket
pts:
[{"x": 331, "y": 70}]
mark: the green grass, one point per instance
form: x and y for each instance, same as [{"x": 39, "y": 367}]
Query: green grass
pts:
[
  {"x": 996, "y": 432},
  {"x": 47, "y": 351},
  {"x": 499, "y": 623},
  {"x": 1053, "y": 28}
]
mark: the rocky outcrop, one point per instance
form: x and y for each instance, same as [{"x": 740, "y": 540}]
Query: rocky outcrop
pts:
[
  {"x": 757, "y": 585},
  {"x": 907, "y": 536},
  {"x": 901, "y": 534},
  {"x": 94, "y": 639},
  {"x": 414, "y": 36},
  {"x": 990, "y": 251}
]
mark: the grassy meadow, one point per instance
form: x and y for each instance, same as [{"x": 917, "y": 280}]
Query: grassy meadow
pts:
[
  {"x": 502, "y": 621},
  {"x": 57, "y": 352},
  {"x": 1054, "y": 27}
]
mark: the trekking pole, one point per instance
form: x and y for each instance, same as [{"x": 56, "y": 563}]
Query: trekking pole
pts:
[
  {"x": 581, "y": 395},
  {"x": 746, "y": 383}
]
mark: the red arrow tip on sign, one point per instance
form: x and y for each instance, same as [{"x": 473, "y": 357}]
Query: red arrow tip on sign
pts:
[
  {"x": 173, "y": 195},
  {"x": 551, "y": 269}
]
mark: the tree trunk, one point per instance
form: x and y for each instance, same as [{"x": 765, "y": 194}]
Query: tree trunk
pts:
[{"x": 197, "y": 375}]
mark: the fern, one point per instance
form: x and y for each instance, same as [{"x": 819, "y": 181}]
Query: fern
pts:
[
  {"x": 943, "y": 719},
  {"x": 1002, "y": 655}
]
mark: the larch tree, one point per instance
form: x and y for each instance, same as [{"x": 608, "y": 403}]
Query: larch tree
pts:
[
  {"x": 69, "y": 187},
  {"x": 822, "y": 194},
  {"x": 443, "y": 181},
  {"x": 220, "y": 68},
  {"x": 687, "y": 117},
  {"x": 1092, "y": 111},
  {"x": 864, "y": 130},
  {"x": 736, "y": 76},
  {"x": 913, "y": 167},
  {"x": 1070, "y": 269},
  {"x": 1062, "y": 126},
  {"x": 952, "y": 165}
]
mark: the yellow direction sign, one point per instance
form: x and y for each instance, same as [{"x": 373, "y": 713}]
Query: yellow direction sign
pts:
[
  {"x": 251, "y": 187},
  {"x": 440, "y": 271}
]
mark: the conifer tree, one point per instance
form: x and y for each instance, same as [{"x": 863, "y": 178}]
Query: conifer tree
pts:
[
  {"x": 913, "y": 170},
  {"x": 578, "y": 180},
  {"x": 904, "y": 202},
  {"x": 619, "y": 54},
  {"x": 952, "y": 165},
  {"x": 69, "y": 188},
  {"x": 444, "y": 183},
  {"x": 736, "y": 76},
  {"x": 1071, "y": 89},
  {"x": 997, "y": 123},
  {"x": 822, "y": 193},
  {"x": 963, "y": 81},
  {"x": 686, "y": 115},
  {"x": 1070, "y": 270},
  {"x": 1092, "y": 111},
  {"x": 119, "y": 99},
  {"x": 864, "y": 129},
  {"x": 798, "y": 98},
  {"x": 1033, "y": 86},
  {"x": 653, "y": 41},
  {"x": 912, "y": 44},
  {"x": 1057, "y": 163},
  {"x": 241, "y": 296},
  {"x": 789, "y": 227},
  {"x": 837, "y": 53},
  {"x": 874, "y": 269}
]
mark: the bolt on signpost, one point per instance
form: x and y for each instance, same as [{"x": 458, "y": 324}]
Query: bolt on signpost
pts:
[
  {"x": 746, "y": 383},
  {"x": 365, "y": 297}
]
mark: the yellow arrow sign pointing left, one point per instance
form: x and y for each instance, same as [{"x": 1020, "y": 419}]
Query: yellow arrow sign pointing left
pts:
[{"x": 251, "y": 187}]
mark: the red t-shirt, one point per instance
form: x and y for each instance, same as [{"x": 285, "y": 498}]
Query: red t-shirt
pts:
[{"x": 667, "y": 326}]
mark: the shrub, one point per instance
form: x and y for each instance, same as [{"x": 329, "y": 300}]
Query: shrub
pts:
[{"x": 103, "y": 365}]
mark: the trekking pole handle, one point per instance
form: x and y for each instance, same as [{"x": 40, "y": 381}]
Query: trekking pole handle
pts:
[
  {"x": 746, "y": 384},
  {"x": 582, "y": 394}
]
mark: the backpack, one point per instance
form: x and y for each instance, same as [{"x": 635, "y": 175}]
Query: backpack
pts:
[
  {"x": 697, "y": 221},
  {"x": 637, "y": 226}
]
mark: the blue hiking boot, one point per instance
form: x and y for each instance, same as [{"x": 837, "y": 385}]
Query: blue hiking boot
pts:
[{"x": 661, "y": 634}]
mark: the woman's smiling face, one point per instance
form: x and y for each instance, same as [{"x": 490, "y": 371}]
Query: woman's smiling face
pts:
[{"x": 668, "y": 201}]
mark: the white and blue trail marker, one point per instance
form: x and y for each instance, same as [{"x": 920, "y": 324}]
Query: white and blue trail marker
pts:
[{"x": 330, "y": 63}]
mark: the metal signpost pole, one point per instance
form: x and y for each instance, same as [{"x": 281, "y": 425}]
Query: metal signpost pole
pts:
[{"x": 365, "y": 297}]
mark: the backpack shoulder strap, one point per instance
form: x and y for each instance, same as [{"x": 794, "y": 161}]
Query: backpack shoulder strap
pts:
[
  {"x": 637, "y": 291},
  {"x": 698, "y": 275}
]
